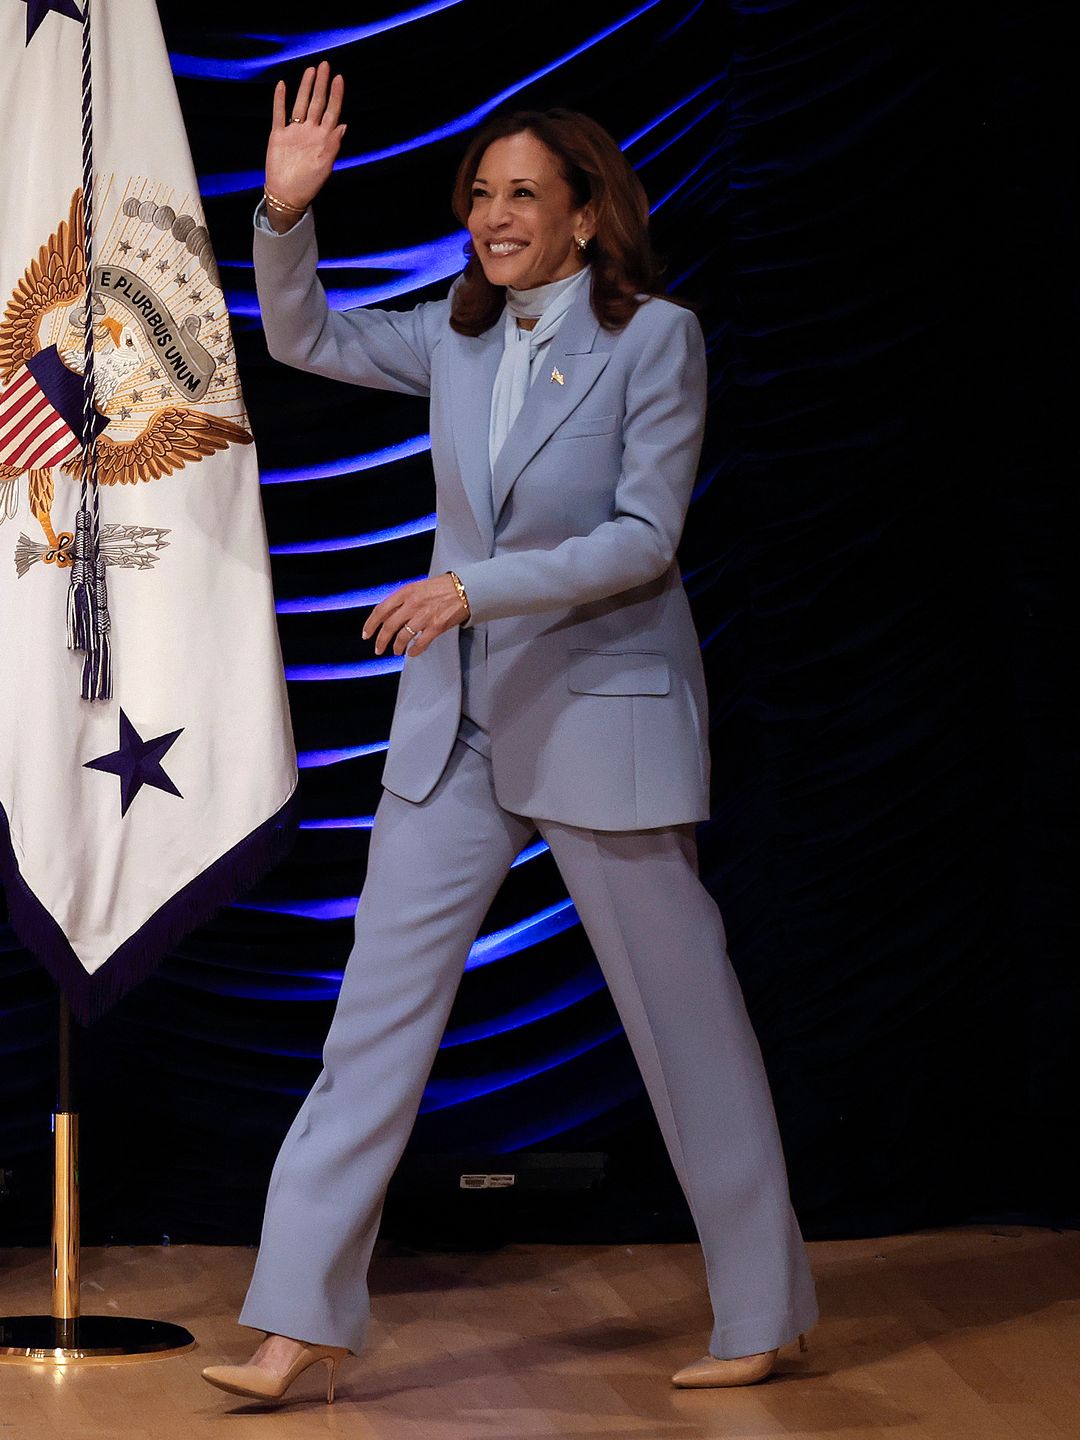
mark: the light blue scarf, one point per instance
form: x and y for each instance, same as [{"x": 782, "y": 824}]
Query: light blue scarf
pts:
[{"x": 523, "y": 350}]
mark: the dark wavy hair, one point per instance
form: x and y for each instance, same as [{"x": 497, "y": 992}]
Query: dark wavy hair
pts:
[{"x": 620, "y": 252}]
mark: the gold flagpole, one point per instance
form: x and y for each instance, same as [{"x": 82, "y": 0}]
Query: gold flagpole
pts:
[
  {"x": 65, "y": 1220},
  {"x": 66, "y": 1337}
]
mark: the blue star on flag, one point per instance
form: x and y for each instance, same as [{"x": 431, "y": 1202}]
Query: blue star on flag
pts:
[
  {"x": 137, "y": 762},
  {"x": 36, "y": 10}
]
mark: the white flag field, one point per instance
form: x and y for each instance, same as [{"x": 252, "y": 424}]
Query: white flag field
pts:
[{"x": 126, "y": 819}]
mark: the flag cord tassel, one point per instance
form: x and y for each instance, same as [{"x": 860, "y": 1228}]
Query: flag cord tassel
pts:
[
  {"x": 88, "y": 623},
  {"x": 78, "y": 598}
]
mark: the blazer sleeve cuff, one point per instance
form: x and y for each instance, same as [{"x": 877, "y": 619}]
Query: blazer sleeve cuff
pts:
[
  {"x": 262, "y": 222},
  {"x": 476, "y": 577}
]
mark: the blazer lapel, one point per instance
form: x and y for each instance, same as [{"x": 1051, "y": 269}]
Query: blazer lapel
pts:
[
  {"x": 549, "y": 400},
  {"x": 472, "y": 378}
]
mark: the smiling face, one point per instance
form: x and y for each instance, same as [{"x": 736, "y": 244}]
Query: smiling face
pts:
[{"x": 523, "y": 216}]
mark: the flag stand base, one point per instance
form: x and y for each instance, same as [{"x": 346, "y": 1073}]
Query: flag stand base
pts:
[
  {"x": 106, "y": 1339},
  {"x": 65, "y": 1337}
]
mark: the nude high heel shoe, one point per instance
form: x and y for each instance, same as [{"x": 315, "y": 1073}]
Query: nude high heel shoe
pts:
[
  {"x": 263, "y": 1384},
  {"x": 711, "y": 1371}
]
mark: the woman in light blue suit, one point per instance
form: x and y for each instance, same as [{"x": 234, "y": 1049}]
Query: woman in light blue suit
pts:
[{"x": 552, "y": 682}]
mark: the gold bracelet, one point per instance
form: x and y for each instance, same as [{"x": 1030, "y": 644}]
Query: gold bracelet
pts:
[
  {"x": 277, "y": 204},
  {"x": 461, "y": 594}
]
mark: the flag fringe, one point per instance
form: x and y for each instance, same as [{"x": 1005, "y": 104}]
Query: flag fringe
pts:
[{"x": 92, "y": 996}]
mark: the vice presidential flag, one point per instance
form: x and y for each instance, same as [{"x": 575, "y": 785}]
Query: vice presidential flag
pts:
[{"x": 128, "y": 819}]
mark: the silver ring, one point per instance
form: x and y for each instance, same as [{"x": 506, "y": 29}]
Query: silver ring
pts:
[
  {"x": 297, "y": 120},
  {"x": 408, "y": 627}
]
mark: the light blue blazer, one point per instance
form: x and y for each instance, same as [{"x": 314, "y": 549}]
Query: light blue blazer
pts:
[{"x": 597, "y": 703}]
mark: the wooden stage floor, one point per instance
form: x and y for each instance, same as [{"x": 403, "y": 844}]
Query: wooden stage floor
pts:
[{"x": 961, "y": 1334}]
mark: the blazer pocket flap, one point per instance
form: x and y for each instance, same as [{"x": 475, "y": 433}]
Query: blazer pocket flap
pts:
[
  {"x": 576, "y": 425},
  {"x": 618, "y": 672}
]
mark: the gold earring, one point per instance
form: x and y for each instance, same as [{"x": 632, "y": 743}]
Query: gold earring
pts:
[{"x": 579, "y": 242}]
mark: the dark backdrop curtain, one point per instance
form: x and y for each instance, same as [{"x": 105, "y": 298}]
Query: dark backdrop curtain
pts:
[{"x": 872, "y": 208}]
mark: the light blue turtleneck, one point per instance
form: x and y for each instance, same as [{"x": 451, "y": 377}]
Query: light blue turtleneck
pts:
[{"x": 524, "y": 350}]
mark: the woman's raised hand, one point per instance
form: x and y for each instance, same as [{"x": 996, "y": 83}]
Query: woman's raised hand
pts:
[{"x": 304, "y": 143}]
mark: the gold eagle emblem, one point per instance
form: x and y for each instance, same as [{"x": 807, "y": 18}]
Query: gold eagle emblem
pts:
[{"x": 143, "y": 358}]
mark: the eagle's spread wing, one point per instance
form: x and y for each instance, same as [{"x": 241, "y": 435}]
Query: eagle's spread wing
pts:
[
  {"x": 173, "y": 438},
  {"x": 56, "y": 277}
]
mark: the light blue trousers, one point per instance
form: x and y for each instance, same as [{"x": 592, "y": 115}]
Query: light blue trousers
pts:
[{"x": 433, "y": 870}]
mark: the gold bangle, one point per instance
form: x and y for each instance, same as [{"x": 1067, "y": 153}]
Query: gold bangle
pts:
[
  {"x": 277, "y": 204},
  {"x": 461, "y": 593}
]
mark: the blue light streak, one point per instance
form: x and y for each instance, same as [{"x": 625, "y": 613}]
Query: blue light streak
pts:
[
  {"x": 343, "y": 600},
  {"x": 337, "y": 907},
  {"x": 666, "y": 115},
  {"x": 325, "y": 986},
  {"x": 349, "y": 464},
  {"x": 688, "y": 176},
  {"x": 409, "y": 257},
  {"x": 357, "y": 542},
  {"x": 297, "y": 47},
  {"x": 340, "y": 822},
  {"x": 442, "y": 1094},
  {"x": 563, "y": 997},
  {"x": 542, "y": 926},
  {"x": 486, "y": 949},
  {"x": 316, "y": 759},
  {"x": 322, "y": 990},
  {"x": 441, "y": 263},
  {"x": 348, "y": 670},
  {"x": 421, "y": 265},
  {"x": 671, "y": 140},
  {"x": 229, "y": 182},
  {"x": 529, "y": 853}
]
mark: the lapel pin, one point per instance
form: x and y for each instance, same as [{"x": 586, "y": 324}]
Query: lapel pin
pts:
[{"x": 558, "y": 376}]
